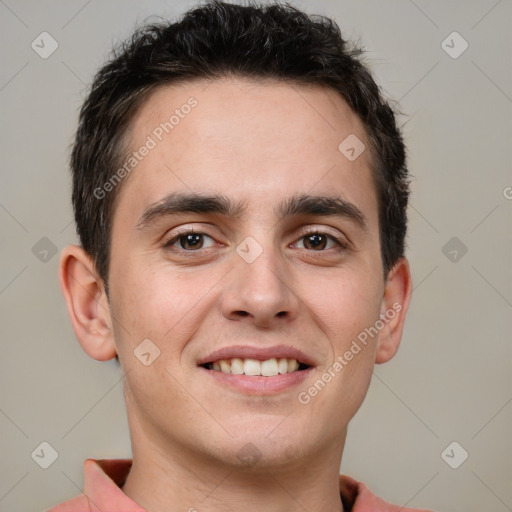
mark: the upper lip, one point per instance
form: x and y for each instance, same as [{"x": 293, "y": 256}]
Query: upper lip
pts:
[{"x": 259, "y": 353}]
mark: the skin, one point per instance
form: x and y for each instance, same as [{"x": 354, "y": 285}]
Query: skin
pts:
[{"x": 257, "y": 142}]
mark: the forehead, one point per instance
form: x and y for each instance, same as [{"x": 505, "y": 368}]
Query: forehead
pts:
[{"x": 255, "y": 140}]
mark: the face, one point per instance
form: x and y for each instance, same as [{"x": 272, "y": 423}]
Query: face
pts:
[{"x": 262, "y": 273}]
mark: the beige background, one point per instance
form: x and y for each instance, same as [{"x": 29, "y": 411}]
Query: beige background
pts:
[{"x": 451, "y": 380}]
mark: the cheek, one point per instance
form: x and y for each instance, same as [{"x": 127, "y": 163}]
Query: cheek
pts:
[
  {"x": 156, "y": 304},
  {"x": 346, "y": 305},
  {"x": 355, "y": 308}
]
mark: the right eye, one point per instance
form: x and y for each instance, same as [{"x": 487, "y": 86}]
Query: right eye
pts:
[{"x": 189, "y": 240}]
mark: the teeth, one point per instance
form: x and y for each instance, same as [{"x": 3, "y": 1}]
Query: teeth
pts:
[
  {"x": 282, "y": 365},
  {"x": 237, "y": 366},
  {"x": 268, "y": 368},
  {"x": 293, "y": 365},
  {"x": 252, "y": 367},
  {"x": 224, "y": 366}
]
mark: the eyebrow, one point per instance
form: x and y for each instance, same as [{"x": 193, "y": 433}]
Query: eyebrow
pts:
[{"x": 300, "y": 204}]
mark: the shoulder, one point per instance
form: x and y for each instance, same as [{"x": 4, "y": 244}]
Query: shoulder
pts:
[
  {"x": 357, "y": 497},
  {"x": 79, "y": 503}
]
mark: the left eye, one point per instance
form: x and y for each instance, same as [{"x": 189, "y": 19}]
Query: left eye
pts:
[
  {"x": 317, "y": 241},
  {"x": 190, "y": 240}
]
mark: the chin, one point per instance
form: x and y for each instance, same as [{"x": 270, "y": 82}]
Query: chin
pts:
[{"x": 261, "y": 448}]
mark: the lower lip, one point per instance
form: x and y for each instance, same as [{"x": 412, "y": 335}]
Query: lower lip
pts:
[{"x": 259, "y": 385}]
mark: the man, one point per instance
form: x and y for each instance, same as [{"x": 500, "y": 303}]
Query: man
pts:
[{"x": 240, "y": 193}]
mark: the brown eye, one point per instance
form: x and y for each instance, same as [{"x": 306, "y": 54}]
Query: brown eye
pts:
[
  {"x": 191, "y": 241},
  {"x": 188, "y": 241},
  {"x": 315, "y": 241}
]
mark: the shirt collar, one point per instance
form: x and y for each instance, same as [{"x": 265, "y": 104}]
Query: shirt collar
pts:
[{"x": 103, "y": 480}]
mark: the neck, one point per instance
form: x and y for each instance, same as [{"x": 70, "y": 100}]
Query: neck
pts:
[{"x": 165, "y": 479}]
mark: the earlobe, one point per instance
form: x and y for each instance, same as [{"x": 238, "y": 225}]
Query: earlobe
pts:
[
  {"x": 395, "y": 303},
  {"x": 86, "y": 303}
]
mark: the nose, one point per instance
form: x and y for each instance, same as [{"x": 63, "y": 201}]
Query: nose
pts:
[{"x": 260, "y": 292}]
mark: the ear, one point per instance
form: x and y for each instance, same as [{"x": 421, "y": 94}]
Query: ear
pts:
[
  {"x": 395, "y": 302},
  {"x": 87, "y": 303}
]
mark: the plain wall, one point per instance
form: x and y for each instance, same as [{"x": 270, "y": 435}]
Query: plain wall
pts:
[{"x": 450, "y": 381}]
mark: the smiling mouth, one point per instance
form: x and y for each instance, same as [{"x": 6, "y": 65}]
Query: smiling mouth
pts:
[{"x": 254, "y": 367}]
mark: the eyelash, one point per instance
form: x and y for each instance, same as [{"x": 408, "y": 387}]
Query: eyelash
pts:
[{"x": 342, "y": 244}]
